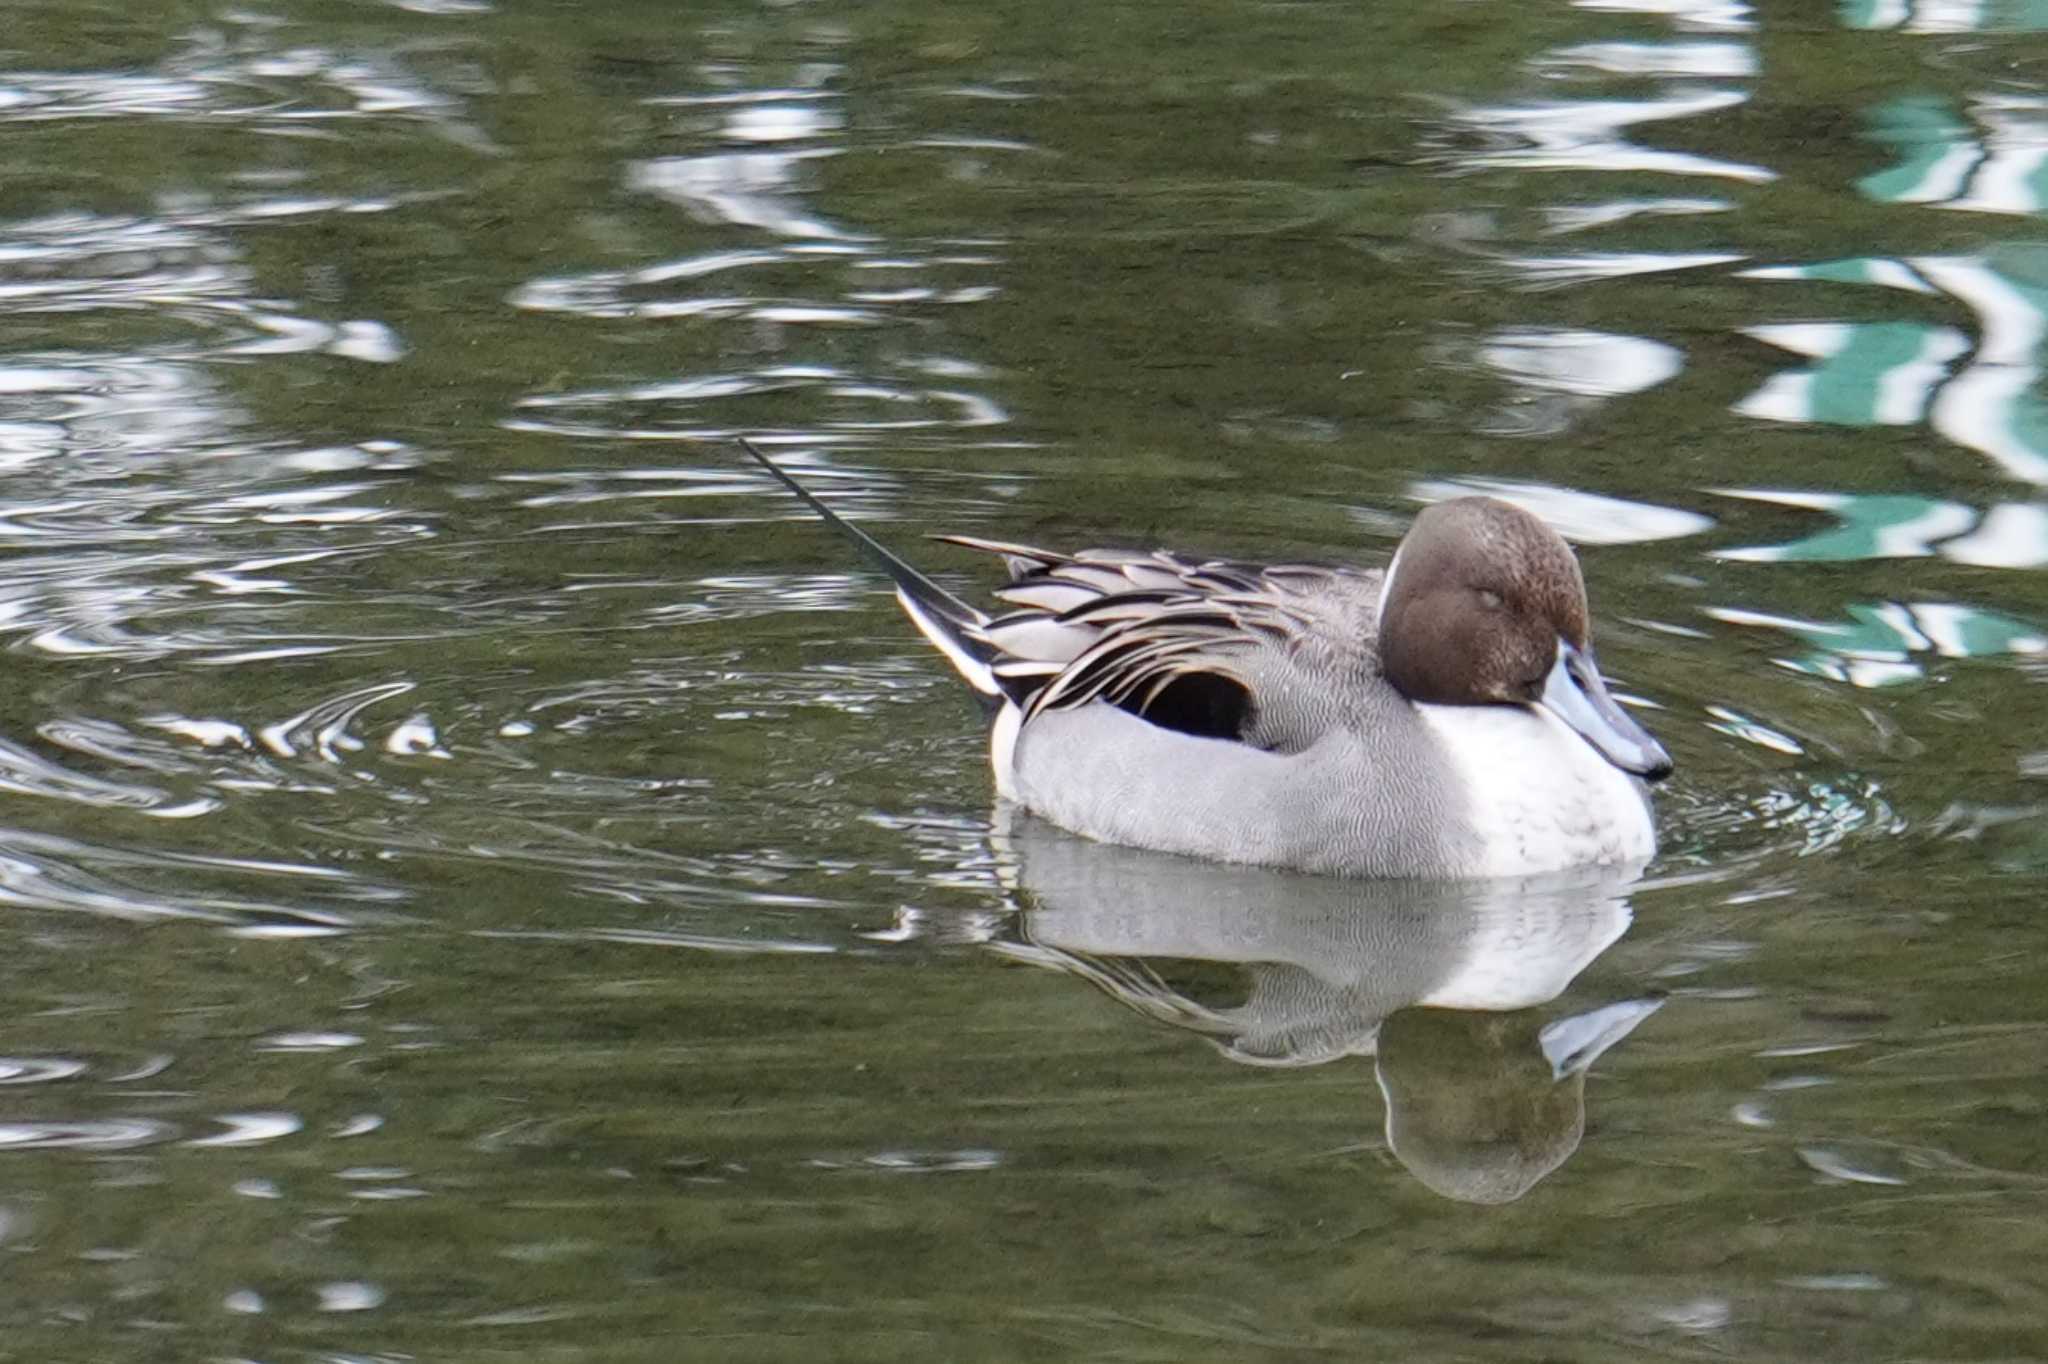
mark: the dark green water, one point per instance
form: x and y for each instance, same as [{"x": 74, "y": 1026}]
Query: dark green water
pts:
[{"x": 483, "y": 876}]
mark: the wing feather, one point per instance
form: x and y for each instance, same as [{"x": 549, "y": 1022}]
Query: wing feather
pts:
[
  {"x": 1047, "y": 594},
  {"x": 1033, "y": 634},
  {"x": 1128, "y": 627}
]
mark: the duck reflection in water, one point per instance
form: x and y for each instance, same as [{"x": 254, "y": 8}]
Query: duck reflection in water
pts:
[{"x": 1437, "y": 982}]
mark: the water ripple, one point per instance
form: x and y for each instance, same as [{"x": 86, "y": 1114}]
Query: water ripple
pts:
[
  {"x": 44, "y": 871},
  {"x": 113, "y": 1134},
  {"x": 835, "y": 400},
  {"x": 1701, "y": 58},
  {"x": 350, "y": 1296},
  {"x": 1556, "y": 272},
  {"x": 1563, "y": 218},
  {"x": 758, "y": 158},
  {"x": 1586, "y": 135},
  {"x": 32, "y": 1070},
  {"x": 179, "y": 267},
  {"x": 324, "y": 729},
  {"x": 746, "y": 189},
  {"x": 238, "y": 77},
  {"x": 250, "y": 1129},
  {"x": 867, "y": 292},
  {"x": 1711, "y": 16},
  {"x": 127, "y": 477}
]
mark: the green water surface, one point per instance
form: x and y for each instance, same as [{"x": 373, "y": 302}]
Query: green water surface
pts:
[{"x": 484, "y": 876}]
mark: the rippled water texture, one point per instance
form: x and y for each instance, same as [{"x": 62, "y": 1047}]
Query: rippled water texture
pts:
[{"x": 483, "y": 873}]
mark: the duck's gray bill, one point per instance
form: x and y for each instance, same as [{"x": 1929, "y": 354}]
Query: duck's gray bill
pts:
[{"x": 1575, "y": 694}]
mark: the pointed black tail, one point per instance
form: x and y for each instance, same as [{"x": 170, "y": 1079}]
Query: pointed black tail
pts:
[{"x": 952, "y": 626}]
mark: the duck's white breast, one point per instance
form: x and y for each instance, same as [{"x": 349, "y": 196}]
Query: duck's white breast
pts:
[{"x": 1539, "y": 797}]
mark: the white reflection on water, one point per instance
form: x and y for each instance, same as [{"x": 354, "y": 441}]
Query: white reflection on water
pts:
[
  {"x": 112, "y": 1134},
  {"x": 325, "y": 730},
  {"x": 250, "y": 1129},
  {"x": 781, "y": 122},
  {"x": 2011, "y": 535},
  {"x": 310, "y": 1041},
  {"x": 1701, "y": 59},
  {"x": 235, "y": 75},
  {"x": 1555, "y": 272},
  {"x": 1588, "y": 518},
  {"x": 103, "y": 451},
  {"x": 44, "y": 871},
  {"x": 27, "y": 773},
  {"x": 745, "y": 189},
  {"x": 68, "y": 262},
  {"x": 1739, "y": 726},
  {"x": 1835, "y": 1166},
  {"x": 1588, "y": 363},
  {"x": 1586, "y": 135},
  {"x": 1563, "y": 218},
  {"x": 1892, "y": 274},
  {"x": 1713, "y": 16},
  {"x": 1561, "y": 373},
  {"x": 34, "y": 1070},
  {"x": 648, "y": 293},
  {"x": 613, "y": 293},
  {"x": 350, "y": 1296},
  {"x": 648, "y": 937}
]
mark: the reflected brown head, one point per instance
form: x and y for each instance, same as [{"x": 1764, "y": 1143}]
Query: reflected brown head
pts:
[{"x": 1481, "y": 593}]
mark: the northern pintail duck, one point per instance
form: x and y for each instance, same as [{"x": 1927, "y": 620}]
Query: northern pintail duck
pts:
[{"x": 1443, "y": 717}]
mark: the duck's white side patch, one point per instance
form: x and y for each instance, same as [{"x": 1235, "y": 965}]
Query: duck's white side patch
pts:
[
  {"x": 1002, "y": 749},
  {"x": 1540, "y": 798}
]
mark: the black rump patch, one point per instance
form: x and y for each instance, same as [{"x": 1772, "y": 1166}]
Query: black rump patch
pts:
[{"x": 1207, "y": 705}]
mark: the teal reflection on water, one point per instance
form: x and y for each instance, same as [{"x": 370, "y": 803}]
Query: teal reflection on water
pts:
[
  {"x": 1866, "y": 374},
  {"x": 1946, "y": 16},
  {"x": 1867, "y": 527},
  {"x": 1996, "y": 161},
  {"x": 1903, "y": 526},
  {"x": 1878, "y": 643},
  {"x": 1981, "y": 391}
]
